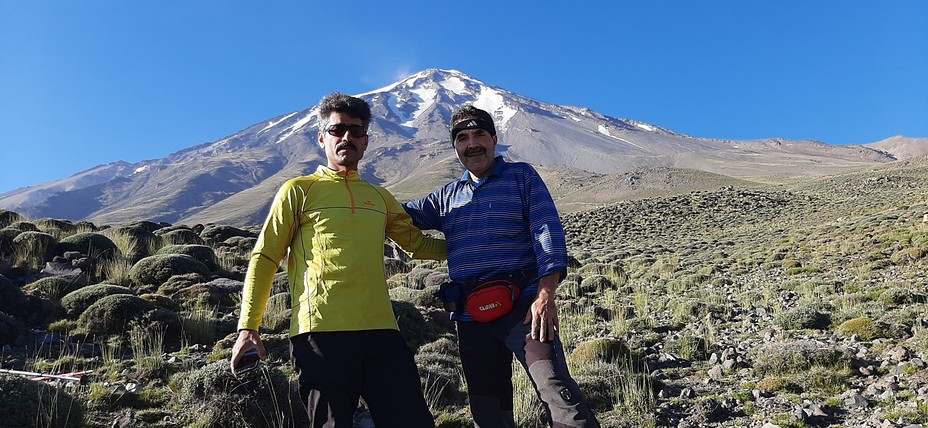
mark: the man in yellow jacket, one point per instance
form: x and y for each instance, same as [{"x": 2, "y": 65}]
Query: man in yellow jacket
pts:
[{"x": 344, "y": 340}]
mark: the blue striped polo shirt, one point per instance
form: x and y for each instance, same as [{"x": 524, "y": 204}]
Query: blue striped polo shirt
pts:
[{"x": 505, "y": 222}]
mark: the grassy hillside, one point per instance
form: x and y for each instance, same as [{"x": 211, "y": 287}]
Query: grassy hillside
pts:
[{"x": 695, "y": 300}]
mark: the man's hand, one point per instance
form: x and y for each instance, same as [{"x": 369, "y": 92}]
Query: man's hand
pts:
[
  {"x": 247, "y": 339},
  {"x": 543, "y": 313}
]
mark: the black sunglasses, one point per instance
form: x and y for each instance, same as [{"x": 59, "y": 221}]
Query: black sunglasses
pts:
[{"x": 339, "y": 129}]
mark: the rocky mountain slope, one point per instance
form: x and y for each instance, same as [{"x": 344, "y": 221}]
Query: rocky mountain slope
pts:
[{"x": 233, "y": 179}]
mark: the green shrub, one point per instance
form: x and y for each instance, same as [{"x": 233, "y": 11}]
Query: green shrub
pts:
[
  {"x": 416, "y": 297},
  {"x": 215, "y": 234},
  {"x": 204, "y": 295},
  {"x": 908, "y": 255},
  {"x": 201, "y": 253},
  {"x": 241, "y": 244},
  {"x": 413, "y": 327},
  {"x": 55, "y": 287},
  {"x": 440, "y": 373},
  {"x": 135, "y": 241},
  {"x": 77, "y": 301},
  {"x": 902, "y": 296},
  {"x": 783, "y": 358},
  {"x": 179, "y": 236},
  {"x": 23, "y": 226},
  {"x": 596, "y": 283},
  {"x": 416, "y": 277},
  {"x": 55, "y": 227},
  {"x": 864, "y": 327},
  {"x": 9, "y": 217},
  {"x": 278, "y": 312},
  {"x": 688, "y": 346},
  {"x": 394, "y": 266},
  {"x": 212, "y": 396},
  {"x": 112, "y": 314},
  {"x": 569, "y": 289},
  {"x": 36, "y": 248},
  {"x": 6, "y": 241},
  {"x": 156, "y": 270},
  {"x": 602, "y": 349},
  {"x": 179, "y": 282},
  {"x": 803, "y": 316},
  {"x": 26, "y": 403},
  {"x": 89, "y": 244}
]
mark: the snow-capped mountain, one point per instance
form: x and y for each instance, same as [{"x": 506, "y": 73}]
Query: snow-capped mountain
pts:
[{"x": 233, "y": 179}]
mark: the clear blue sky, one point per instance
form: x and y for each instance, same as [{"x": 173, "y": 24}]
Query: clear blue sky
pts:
[{"x": 84, "y": 83}]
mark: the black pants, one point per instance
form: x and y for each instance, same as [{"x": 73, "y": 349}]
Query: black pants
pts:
[
  {"x": 336, "y": 368},
  {"x": 486, "y": 356}
]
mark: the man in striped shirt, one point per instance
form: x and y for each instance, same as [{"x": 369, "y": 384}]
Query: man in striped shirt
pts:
[{"x": 498, "y": 219}]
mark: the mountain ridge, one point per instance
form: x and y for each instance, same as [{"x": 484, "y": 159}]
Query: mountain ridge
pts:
[{"x": 223, "y": 181}]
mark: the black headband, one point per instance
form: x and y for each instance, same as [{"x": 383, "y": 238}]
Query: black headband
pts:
[{"x": 472, "y": 123}]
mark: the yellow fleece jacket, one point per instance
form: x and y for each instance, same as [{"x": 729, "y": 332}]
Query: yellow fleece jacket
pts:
[{"x": 334, "y": 225}]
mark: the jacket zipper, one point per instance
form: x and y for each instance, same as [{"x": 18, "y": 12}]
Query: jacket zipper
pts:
[{"x": 348, "y": 187}]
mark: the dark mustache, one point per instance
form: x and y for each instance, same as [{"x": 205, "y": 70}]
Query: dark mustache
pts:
[
  {"x": 344, "y": 145},
  {"x": 474, "y": 151}
]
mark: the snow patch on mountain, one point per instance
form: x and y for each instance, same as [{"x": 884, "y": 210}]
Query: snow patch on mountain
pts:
[
  {"x": 493, "y": 101},
  {"x": 425, "y": 97},
  {"x": 271, "y": 123},
  {"x": 296, "y": 126},
  {"x": 455, "y": 84},
  {"x": 605, "y": 131}
]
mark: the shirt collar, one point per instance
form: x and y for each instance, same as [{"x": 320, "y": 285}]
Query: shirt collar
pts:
[{"x": 498, "y": 165}]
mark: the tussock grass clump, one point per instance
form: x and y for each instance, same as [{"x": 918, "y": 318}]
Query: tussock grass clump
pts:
[
  {"x": 199, "y": 326},
  {"x": 394, "y": 266},
  {"x": 23, "y": 226},
  {"x": 416, "y": 297},
  {"x": 619, "y": 387},
  {"x": 416, "y": 332},
  {"x": 213, "y": 397},
  {"x": 26, "y": 403},
  {"x": 134, "y": 242},
  {"x": 6, "y": 241},
  {"x": 56, "y": 287},
  {"x": 440, "y": 373},
  {"x": 9, "y": 217},
  {"x": 415, "y": 279},
  {"x": 277, "y": 315},
  {"x": 595, "y": 283},
  {"x": 34, "y": 248},
  {"x": 55, "y": 227},
  {"x": 789, "y": 357},
  {"x": 689, "y": 346}
]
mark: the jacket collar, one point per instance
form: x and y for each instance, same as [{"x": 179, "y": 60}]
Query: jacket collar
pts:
[{"x": 335, "y": 175}]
